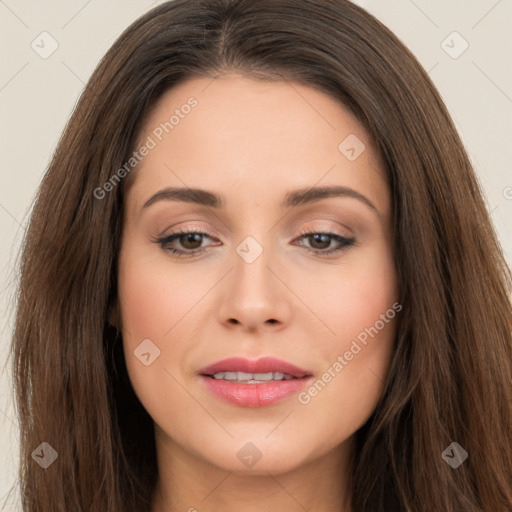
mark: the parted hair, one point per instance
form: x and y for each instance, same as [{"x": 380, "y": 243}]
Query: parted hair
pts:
[{"x": 450, "y": 377}]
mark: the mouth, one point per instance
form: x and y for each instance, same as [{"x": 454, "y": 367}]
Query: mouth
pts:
[
  {"x": 251, "y": 378},
  {"x": 254, "y": 383},
  {"x": 264, "y": 369}
]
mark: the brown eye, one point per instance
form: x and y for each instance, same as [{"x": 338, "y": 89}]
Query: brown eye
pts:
[
  {"x": 319, "y": 241},
  {"x": 191, "y": 241},
  {"x": 183, "y": 243}
]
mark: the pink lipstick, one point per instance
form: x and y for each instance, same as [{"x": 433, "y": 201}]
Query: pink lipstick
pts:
[{"x": 254, "y": 383}]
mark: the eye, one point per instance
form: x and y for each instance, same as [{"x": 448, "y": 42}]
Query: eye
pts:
[
  {"x": 191, "y": 240},
  {"x": 320, "y": 240}
]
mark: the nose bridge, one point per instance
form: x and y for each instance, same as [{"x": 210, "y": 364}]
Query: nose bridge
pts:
[
  {"x": 254, "y": 295},
  {"x": 251, "y": 273},
  {"x": 256, "y": 251}
]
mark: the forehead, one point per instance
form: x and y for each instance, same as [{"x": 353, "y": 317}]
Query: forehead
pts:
[{"x": 261, "y": 136}]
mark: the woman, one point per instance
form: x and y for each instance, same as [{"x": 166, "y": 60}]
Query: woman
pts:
[{"x": 343, "y": 339}]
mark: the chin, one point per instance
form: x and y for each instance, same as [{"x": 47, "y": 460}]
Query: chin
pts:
[{"x": 259, "y": 457}]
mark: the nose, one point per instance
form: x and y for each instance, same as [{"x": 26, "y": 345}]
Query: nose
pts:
[{"x": 253, "y": 296}]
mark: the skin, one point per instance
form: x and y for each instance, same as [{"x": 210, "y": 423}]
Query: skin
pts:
[{"x": 252, "y": 142}]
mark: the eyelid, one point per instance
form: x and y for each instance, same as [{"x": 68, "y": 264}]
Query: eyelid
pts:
[
  {"x": 332, "y": 227},
  {"x": 212, "y": 233},
  {"x": 190, "y": 228}
]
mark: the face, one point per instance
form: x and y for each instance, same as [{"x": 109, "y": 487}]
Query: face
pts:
[{"x": 275, "y": 271}]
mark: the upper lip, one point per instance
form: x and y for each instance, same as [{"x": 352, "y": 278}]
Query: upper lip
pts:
[{"x": 262, "y": 365}]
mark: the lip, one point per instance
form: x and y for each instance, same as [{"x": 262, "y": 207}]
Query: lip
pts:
[
  {"x": 262, "y": 365},
  {"x": 254, "y": 395}
]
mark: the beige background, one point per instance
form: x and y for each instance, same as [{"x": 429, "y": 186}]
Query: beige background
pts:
[{"x": 37, "y": 96}]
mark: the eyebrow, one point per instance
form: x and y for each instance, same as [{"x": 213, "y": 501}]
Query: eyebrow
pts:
[{"x": 291, "y": 199}]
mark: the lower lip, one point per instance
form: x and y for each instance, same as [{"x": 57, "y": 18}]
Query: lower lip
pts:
[{"x": 254, "y": 395}]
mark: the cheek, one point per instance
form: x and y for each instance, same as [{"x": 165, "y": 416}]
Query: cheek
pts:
[
  {"x": 151, "y": 309},
  {"x": 361, "y": 309},
  {"x": 353, "y": 297},
  {"x": 153, "y": 299},
  {"x": 349, "y": 386}
]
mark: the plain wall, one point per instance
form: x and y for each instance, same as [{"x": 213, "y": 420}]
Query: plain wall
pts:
[{"x": 38, "y": 95}]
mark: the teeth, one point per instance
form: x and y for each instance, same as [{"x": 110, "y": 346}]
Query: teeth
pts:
[
  {"x": 246, "y": 376},
  {"x": 251, "y": 378},
  {"x": 262, "y": 376}
]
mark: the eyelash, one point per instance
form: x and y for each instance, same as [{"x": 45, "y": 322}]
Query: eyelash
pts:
[{"x": 164, "y": 241}]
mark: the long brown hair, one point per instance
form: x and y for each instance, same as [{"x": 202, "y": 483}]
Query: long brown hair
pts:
[{"x": 450, "y": 379}]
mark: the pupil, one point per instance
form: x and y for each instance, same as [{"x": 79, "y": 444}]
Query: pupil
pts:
[
  {"x": 318, "y": 238},
  {"x": 191, "y": 237}
]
